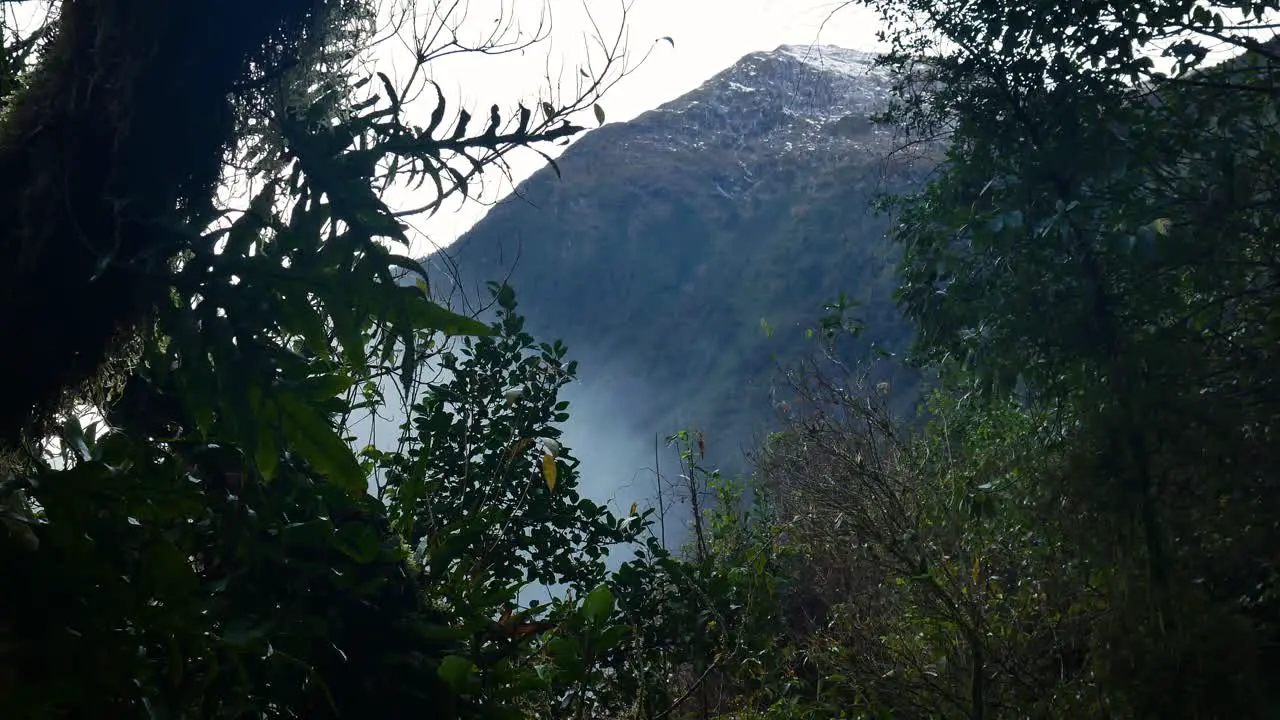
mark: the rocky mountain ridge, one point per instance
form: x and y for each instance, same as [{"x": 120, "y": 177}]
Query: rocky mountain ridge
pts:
[
  {"x": 672, "y": 241},
  {"x": 792, "y": 99}
]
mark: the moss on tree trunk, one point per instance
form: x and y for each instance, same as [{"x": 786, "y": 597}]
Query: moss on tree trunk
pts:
[{"x": 108, "y": 161}]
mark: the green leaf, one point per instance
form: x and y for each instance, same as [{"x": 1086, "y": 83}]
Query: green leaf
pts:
[
  {"x": 311, "y": 532},
  {"x": 326, "y": 386},
  {"x": 242, "y": 632},
  {"x": 409, "y": 363},
  {"x": 310, "y": 434},
  {"x": 266, "y": 450},
  {"x": 300, "y": 317},
  {"x": 248, "y": 227},
  {"x": 346, "y": 325},
  {"x": 598, "y": 605},
  {"x": 612, "y": 637},
  {"x": 455, "y": 670},
  {"x": 359, "y": 542},
  {"x": 195, "y": 377},
  {"x": 267, "y": 454},
  {"x": 73, "y": 435},
  {"x": 427, "y": 315},
  {"x": 408, "y": 263}
]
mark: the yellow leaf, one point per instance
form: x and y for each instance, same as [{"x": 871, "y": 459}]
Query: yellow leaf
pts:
[
  {"x": 549, "y": 470},
  {"x": 633, "y": 508},
  {"x": 1161, "y": 225}
]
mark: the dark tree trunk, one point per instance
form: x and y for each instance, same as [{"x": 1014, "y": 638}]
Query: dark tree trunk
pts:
[{"x": 107, "y": 165}]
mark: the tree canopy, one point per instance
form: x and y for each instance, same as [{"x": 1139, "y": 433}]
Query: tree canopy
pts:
[{"x": 204, "y": 282}]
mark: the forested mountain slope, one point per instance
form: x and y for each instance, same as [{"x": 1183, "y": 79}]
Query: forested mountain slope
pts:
[{"x": 667, "y": 240}]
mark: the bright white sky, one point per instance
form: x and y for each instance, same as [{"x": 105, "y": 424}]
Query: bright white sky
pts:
[{"x": 709, "y": 36}]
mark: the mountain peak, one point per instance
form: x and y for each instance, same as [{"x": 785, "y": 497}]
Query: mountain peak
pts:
[
  {"x": 813, "y": 97},
  {"x": 831, "y": 58},
  {"x": 665, "y": 240}
]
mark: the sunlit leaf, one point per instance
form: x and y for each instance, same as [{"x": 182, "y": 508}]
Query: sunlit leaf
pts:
[
  {"x": 549, "y": 470},
  {"x": 598, "y": 605},
  {"x": 455, "y": 670}
]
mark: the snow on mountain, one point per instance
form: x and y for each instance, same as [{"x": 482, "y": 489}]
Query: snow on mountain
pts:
[
  {"x": 794, "y": 98},
  {"x": 664, "y": 240},
  {"x": 853, "y": 63}
]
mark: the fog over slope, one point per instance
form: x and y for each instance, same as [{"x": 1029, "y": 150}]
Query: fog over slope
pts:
[{"x": 682, "y": 255}]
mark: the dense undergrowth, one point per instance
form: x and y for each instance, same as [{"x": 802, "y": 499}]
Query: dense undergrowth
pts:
[{"x": 1084, "y": 525}]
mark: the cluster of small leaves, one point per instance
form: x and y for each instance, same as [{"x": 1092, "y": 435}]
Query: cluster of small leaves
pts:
[
  {"x": 487, "y": 494},
  {"x": 916, "y": 574},
  {"x": 309, "y": 272},
  {"x": 313, "y": 285},
  {"x": 478, "y": 441},
  {"x": 706, "y": 638},
  {"x": 160, "y": 577},
  {"x": 173, "y": 580},
  {"x": 210, "y": 550},
  {"x": 19, "y": 48},
  {"x": 1095, "y": 247}
]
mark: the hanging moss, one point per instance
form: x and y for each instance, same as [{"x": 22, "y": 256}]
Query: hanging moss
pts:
[{"x": 117, "y": 142}]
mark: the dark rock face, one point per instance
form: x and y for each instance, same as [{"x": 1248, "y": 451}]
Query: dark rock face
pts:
[{"x": 670, "y": 237}]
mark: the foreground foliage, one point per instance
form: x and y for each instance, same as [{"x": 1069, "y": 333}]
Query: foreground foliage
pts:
[
  {"x": 1087, "y": 529},
  {"x": 206, "y": 547},
  {"x": 1084, "y": 527}
]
